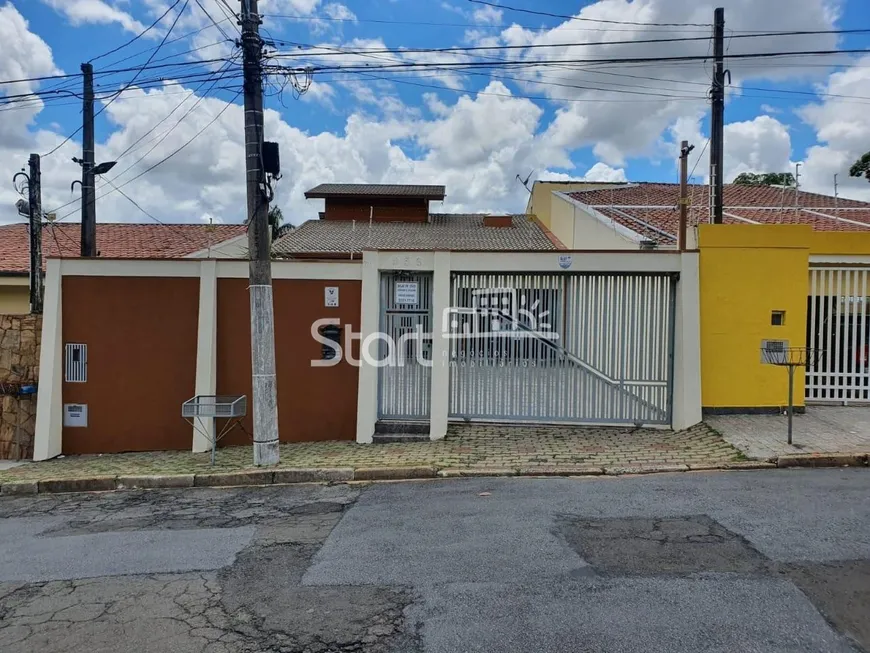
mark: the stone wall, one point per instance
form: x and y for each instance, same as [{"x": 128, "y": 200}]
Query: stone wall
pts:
[{"x": 19, "y": 365}]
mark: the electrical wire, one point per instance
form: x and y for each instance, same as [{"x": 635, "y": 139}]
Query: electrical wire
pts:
[
  {"x": 590, "y": 20},
  {"x": 533, "y": 46},
  {"x": 177, "y": 230},
  {"x": 164, "y": 159},
  {"x": 213, "y": 22},
  {"x": 129, "y": 84},
  {"x": 138, "y": 36}
]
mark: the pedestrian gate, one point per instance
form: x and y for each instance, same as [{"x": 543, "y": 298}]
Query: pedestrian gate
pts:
[
  {"x": 577, "y": 348},
  {"x": 405, "y": 373},
  {"x": 838, "y": 326}
]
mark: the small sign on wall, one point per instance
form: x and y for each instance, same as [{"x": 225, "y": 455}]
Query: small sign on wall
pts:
[
  {"x": 407, "y": 293},
  {"x": 331, "y": 297},
  {"x": 565, "y": 261},
  {"x": 75, "y": 415}
]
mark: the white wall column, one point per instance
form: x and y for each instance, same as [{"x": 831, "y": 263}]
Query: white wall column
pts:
[
  {"x": 440, "y": 398},
  {"x": 48, "y": 441},
  {"x": 367, "y": 396},
  {"x": 687, "y": 345},
  {"x": 206, "y": 350}
]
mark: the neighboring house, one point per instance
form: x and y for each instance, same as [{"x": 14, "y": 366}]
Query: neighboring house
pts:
[
  {"x": 114, "y": 240},
  {"x": 384, "y": 217},
  {"x": 786, "y": 266},
  {"x": 541, "y": 195},
  {"x": 646, "y": 215}
]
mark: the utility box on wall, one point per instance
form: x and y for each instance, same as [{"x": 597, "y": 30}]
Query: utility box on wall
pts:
[{"x": 76, "y": 363}]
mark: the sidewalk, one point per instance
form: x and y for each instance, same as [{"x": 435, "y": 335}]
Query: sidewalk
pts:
[
  {"x": 821, "y": 430},
  {"x": 468, "y": 450}
]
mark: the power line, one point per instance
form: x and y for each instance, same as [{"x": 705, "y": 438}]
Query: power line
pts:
[
  {"x": 590, "y": 20},
  {"x": 129, "y": 84},
  {"x": 167, "y": 157},
  {"x": 549, "y": 62},
  {"x": 180, "y": 232},
  {"x": 138, "y": 36},
  {"x": 534, "y": 46},
  {"x": 213, "y": 22}
]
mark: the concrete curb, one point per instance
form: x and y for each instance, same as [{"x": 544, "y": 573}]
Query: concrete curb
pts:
[
  {"x": 259, "y": 477},
  {"x": 823, "y": 460}
]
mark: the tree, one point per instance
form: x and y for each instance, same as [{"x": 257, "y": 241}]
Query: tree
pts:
[
  {"x": 276, "y": 219},
  {"x": 765, "y": 179},
  {"x": 861, "y": 167}
]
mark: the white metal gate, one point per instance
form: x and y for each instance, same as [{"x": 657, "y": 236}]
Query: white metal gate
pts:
[
  {"x": 838, "y": 325},
  {"x": 405, "y": 375},
  {"x": 579, "y": 348}
]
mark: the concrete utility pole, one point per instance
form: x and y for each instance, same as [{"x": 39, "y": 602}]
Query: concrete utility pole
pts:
[
  {"x": 685, "y": 150},
  {"x": 717, "y": 119},
  {"x": 89, "y": 208},
  {"x": 34, "y": 186},
  {"x": 797, "y": 185},
  {"x": 259, "y": 247}
]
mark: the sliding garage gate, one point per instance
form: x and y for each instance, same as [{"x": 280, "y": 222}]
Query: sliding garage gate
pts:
[
  {"x": 577, "y": 348},
  {"x": 838, "y": 327}
]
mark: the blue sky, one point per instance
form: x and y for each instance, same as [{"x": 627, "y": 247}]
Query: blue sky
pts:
[{"x": 474, "y": 132}]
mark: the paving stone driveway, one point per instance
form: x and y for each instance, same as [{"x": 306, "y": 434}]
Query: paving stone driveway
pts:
[
  {"x": 466, "y": 446},
  {"x": 823, "y": 429}
]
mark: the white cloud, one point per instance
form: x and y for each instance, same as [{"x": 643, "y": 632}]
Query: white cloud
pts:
[
  {"x": 621, "y": 111},
  {"x": 603, "y": 172},
  {"x": 487, "y": 15},
  {"x": 338, "y": 11},
  {"x": 759, "y": 145},
  {"x": 98, "y": 12},
  {"x": 843, "y": 132}
]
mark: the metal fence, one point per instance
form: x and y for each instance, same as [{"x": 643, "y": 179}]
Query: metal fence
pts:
[
  {"x": 404, "y": 381},
  {"x": 839, "y": 328},
  {"x": 579, "y": 348}
]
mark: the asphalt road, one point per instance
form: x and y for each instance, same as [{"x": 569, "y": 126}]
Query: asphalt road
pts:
[{"x": 767, "y": 561}]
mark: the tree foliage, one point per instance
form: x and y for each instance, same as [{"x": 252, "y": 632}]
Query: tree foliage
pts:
[
  {"x": 765, "y": 179},
  {"x": 276, "y": 219},
  {"x": 861, "y": 167}
]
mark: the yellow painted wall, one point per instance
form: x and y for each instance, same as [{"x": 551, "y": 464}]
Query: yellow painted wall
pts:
[
  {"x": 747, "y": 271},
  {"x": 14, "y": 296},
  {"x": 840, "y": 242},
  {"x": 540, "y": 200}
]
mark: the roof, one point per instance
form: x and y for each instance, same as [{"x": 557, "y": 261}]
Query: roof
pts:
[
  {"x": 444, "y": 231},
  {"x": 652, "y": 210},
  {"x": 376, "y": 190},
  {"x": 114, "y": 240}
]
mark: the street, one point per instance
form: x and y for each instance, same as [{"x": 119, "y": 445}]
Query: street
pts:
[{"x": 761, "y": 561}]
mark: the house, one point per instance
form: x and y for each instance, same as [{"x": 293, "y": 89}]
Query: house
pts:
[
  {"x": 388, "y": 317},
  {"x": 383, "y": 217},
  {"x": 114, "y": 240},
  {"x": 542, "y": 192},
  {"x": 787, "y": 267},
  {"x": 629, "y": 216}
]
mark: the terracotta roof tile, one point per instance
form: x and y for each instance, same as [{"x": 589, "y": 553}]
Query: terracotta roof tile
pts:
[
  {"x": 655, "y": 194},
  {"x": 445, "y": 231},
  {"x": 114, "y": 240},
  {"x": 376, "y": 190},
  {"x": 651, "y": 209}
]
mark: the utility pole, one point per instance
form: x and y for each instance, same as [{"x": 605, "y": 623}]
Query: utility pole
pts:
[
  {"x": 259, "y": 247},
  {"x": 34, "y": 186},
  {"x": 836, "y": 193},
  {"x": 717, "y": 119},
  {"x": 685, "y": 150},
  {"x": 89, "y": 209},
  {"x": 797, "y": 185}
]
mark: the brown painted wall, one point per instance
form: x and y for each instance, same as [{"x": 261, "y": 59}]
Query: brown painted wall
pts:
[
  {"x": 141, "y": 338},
  {"x": 313, "y": 403},
  {"x": 383, "y": 209}
]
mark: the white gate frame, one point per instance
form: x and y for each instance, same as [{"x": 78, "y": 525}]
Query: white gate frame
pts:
[{"x": 686, "y": 399}]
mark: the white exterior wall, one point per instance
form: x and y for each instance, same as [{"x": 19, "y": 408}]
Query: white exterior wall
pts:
[{"x": 686, "y": 377}]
